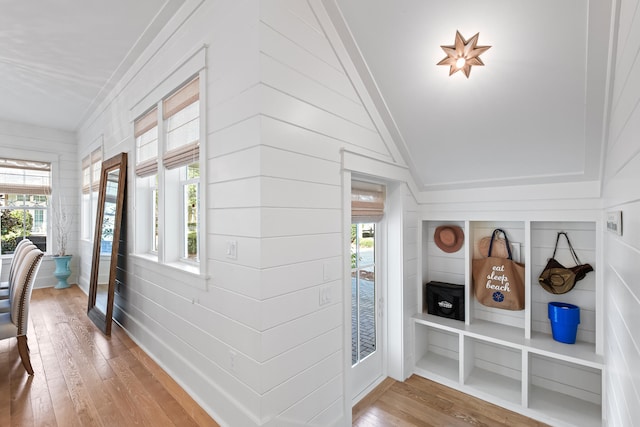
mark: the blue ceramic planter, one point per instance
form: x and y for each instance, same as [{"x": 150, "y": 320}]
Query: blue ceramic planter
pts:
[{"x": 62, "y": 271}]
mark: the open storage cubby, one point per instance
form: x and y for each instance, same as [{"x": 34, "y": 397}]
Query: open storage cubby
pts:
[
  {"x": 515, "y": 234},
  {"x": 437, "y": 351},
  {"x": 543, "y": 239},
  {"x": 509, "y": 357},
  {"x": 494, "y": 370},
  {"x": 566, "y": 391}
]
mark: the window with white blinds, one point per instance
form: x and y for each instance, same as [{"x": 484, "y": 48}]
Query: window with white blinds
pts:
[
  {"x": 91, "y": 168},
  {"x": 168, "y": 170},
  {"x": 25, "y": 187}
]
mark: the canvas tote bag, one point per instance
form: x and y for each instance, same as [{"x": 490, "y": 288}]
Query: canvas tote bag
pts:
[{"x": 499, "y": 282}]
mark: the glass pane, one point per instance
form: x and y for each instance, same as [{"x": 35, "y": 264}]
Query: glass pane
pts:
[
  {"x": 154, "y": 243},
  {"x": 19, "y": 223},
  {"x": 12, "y": 221},
  {"x": 354, "y": 317},
  {"x": 354, "y": 251},
  {"x": 366, "y": 244},
  {"x": 15, "y": 200},
  {"x": 363, "y": 298},
  {"x": 191, "y": 215},
  {"x": 147, "y": 145},
  {"x": 183, "y": 127},
  {"x": 86, "y": 176},
  {"x": 366, "y": 312},
  {"x": 38, "y": 231},
  {"x": 86, "y": 212},
  {"x": 193, "y": 171},
  {"x": 16, "y": 176}
]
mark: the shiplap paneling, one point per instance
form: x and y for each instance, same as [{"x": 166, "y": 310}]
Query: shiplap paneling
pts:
[
  {"x": 410, "y": 295},
  {"x": 216, "y": 354},
  {"x": 440, "y": 265},
  {"x": 24, "y": 141},
  {"x": 622, "y": 253},
  {"x": 255, "y": 346}
]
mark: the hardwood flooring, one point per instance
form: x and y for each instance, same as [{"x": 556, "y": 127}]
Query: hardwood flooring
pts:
[
  {"x": 421, "y": 402},
  {"x": 83, "y": 378}
]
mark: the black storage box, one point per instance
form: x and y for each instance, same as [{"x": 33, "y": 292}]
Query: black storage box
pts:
[{"x": 444, "y": 299}]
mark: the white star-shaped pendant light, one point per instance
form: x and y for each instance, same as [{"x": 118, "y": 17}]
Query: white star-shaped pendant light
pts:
[{"x": 463, "y": 54}]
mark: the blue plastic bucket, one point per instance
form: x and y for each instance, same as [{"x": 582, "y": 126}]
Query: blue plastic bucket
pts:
[{"x": 564, "y": 320}]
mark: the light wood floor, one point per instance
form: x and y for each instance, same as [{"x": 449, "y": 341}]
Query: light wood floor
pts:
[
  {"x": 83, "y": 378},
  {"x": 420, "y": 402}
]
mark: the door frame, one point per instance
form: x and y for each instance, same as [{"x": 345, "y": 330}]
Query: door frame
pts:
[{"x": 395, "y": 178}]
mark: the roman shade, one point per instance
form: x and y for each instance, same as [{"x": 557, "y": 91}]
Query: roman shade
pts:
[
  {"x": 367, "y": 202},
  {"x": 181, "y": 112},
  {"x": 91, "y": 167},
  {"x": 24, "y": 177},
  {"x": 145, "y": 131}
]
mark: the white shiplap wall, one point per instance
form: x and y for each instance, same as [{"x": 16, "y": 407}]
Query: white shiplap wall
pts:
[
  {"x": 622, "y": 253},
  {"x": 255, "y": 347},
  {"x": 24, "y": 141},
  {"x": 411, "y": 293}
]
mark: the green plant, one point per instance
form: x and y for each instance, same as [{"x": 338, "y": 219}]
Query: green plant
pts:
[
  {"x": 192, "y": 243},
  {"x": 14, "y": 224}
]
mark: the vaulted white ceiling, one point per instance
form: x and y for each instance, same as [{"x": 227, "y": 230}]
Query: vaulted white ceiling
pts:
[
  {"x": 59, "y": 58},
  {"x": 532, "y": 114}
]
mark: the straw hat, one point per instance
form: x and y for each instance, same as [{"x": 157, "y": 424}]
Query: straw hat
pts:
[{"x": 449, "y": 238}]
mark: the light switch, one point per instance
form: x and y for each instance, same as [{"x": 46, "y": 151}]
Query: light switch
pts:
[{"x": 232, "y": 249}]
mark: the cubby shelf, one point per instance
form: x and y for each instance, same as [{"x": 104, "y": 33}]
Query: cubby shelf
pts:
[
  {"x": 510, "y": 358},
  {"x": 568, "y": 409},
  {"x": 495, "y": 386}
]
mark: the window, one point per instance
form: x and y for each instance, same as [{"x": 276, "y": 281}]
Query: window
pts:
[
  {"x": 367, "y": 209},
  {"x": 91, "y": 168},
  {"x": 168, "y": 177},
  {"x": 363, "y": 291},
  {"x": 146, "y": 135},
  {"x": 25, "y": 187}
]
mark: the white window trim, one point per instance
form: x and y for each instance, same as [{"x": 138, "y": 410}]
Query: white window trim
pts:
[
  {"x": 193, "y": 65},
  {"x": 93, "y": 147},
  {"x": 172, "y": 271},
  {"x": 185, "y": 238},
  {"x": 47, "y": 157}
]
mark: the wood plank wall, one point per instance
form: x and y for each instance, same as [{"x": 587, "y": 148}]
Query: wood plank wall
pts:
[
  {"x": 412, "y": 294},
  {"x": 21, "y": 140},
  {"x": 622, "y": 253},
  {"x": 255, "y": 347}
]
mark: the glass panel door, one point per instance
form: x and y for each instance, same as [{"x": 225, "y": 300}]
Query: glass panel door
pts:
[{"x": 363, "y": 292}]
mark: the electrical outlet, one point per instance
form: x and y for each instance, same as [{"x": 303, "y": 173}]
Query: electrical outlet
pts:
[{"x": 324, "y": 296}]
